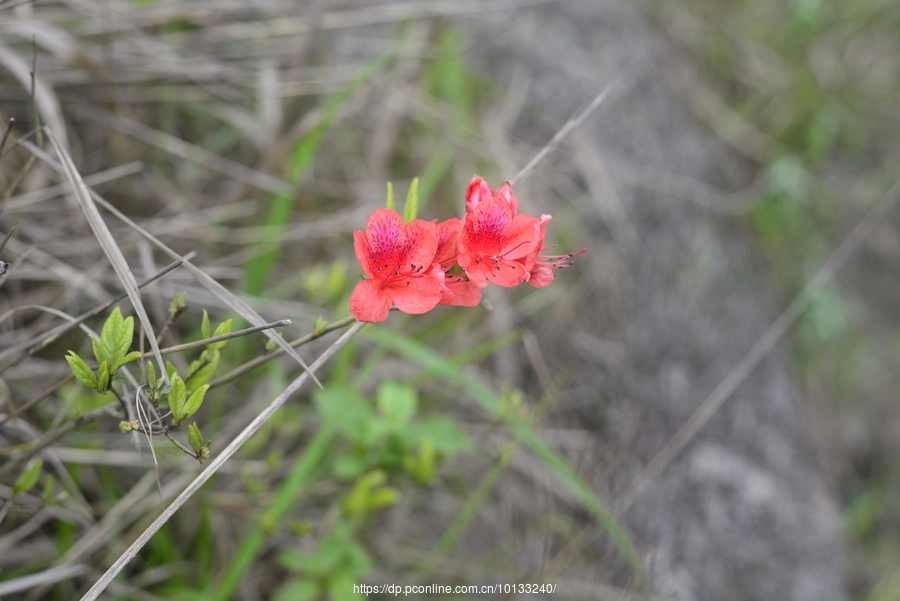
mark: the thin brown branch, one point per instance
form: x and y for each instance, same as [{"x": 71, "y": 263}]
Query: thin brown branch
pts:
[{"x": 239, "y": 371}]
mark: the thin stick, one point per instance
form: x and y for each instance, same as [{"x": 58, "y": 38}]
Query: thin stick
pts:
[
  {"x": 49, "y": 576},
  {"x": 9, "y": 235},
  {"x": 562, "y": 134},
  {"x": 214, "y": 465},
  {"x": 759, "y": 350},
  {"x": 198, "y": 343},
  {"x": 240, "y": 370},
  {"x": 9, "y": 128}
]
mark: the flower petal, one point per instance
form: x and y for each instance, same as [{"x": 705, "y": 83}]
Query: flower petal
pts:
[
  {"x": 421, "y": 244},
  {"x": 523, "y": 239},
  {"x": 477, "y": 191},
  {"x": 418, "y": 294},
  {"x": 447, "y": 234},
  {"x": 386, "y": 234},
  {"x": 363, "y": 253},
  {"x": 460, "y": 292},
  {"x": 507, "y": 274},
  {"x": 505, "y": 194},
  {"x": 370, "y": 302},
  {"x": 541, "y": 277}
]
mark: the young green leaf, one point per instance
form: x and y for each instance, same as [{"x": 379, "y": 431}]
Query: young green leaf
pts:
[
  {"x": 171, "y": 370},
  {"x": 81, "y": 371},
  {"x": 177, "y": 398},
  {"x": 132, "y": 356},
  {"x": 151, "y": 374},
  {"x": 109, "y": 335},
  {"x": 202, "y": 370},
  {"x": 383, "y": 497},
  {"x": 195, "y": 439},
  {"x": 194, "y": 401},
  {"x": 224, "y": 328},
  {"x": 48, "y": 490},
  {"x": 421, "y": 468},
  {"x": 177, "y": 301},
  {"x": 390, "y": 197},
  {"x": 321, "y": 323},
  {"x": 99, "y": 352},
  {"x": 204, "y": 325},
  {"x": 102, "y": 377},
  {"x": 412, "y": 201},
  {"x": 397, "y": 403},
  {"x": 124, "y": 336},
  {"x": 29, "y": 477}
]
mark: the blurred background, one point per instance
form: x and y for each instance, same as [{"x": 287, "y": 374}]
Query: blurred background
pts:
[{"x": 540, "y": 438}]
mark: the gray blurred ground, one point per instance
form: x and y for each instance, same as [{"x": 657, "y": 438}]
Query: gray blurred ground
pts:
[{"x": 673, "y": 298}]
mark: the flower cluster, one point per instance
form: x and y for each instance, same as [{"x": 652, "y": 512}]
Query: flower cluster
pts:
[{"x": 419, "y": 265}]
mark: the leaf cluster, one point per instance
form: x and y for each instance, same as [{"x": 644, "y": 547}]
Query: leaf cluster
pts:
[{"x": 111, "y": 353}]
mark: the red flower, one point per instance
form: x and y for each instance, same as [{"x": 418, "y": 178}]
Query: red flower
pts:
[
  {"x": 399, "y": 260},
  {"x": 458, "y": 290},
  {"x": 495, "y": 242}
]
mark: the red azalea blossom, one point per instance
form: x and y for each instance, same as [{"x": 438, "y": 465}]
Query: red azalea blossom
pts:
[
  {"x": 458, "y": 290},
  {"x": 495, "y": 242},
  {"x": 399, "y": 260}
]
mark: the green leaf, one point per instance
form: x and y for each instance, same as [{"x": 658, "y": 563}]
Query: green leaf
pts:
[
  {"x": 298, "y": 590},
  {"x": 102, "y": 377},
  {"x": 29, "y": 477},
  {"x": 202, "y": 370},
  {"x": 151, "y": 374},
  {"x": 177, "y": 398},
  {"x": 349, "y": 467},
  {"x": 442, "y": 432},
  {"x": 383, "y": 497},
  {"x": 204, "y": 325},
  {"x": 177, "y": 301},
  {"x": 346, "y": 409},
  {"x": 124, "y": 336},
  {"x": 327, "y": 557},
  {"x": 48, "y": 490},
  {"x": 109, "y": 335},
  {"x": 421, "y": 468},
  {"x": 340, "y": 588},
  {"x": 356, "y": 561},
  {"x": 99, "y": 352},
  {"x": 412, "y": 201},
  {"x": 397, "y": 403},
  {"x": 129, "y": 358},
  {"x": 171, "y": 370},
  {"x": 81, "y": 371},
  {"x": 224, "y": 328},
  {"x": 193, "y": 403},
  {"x": 390, "y": 197},
  {"x": 321, "y": 324},
  {"x": 195, "y": 439}
]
